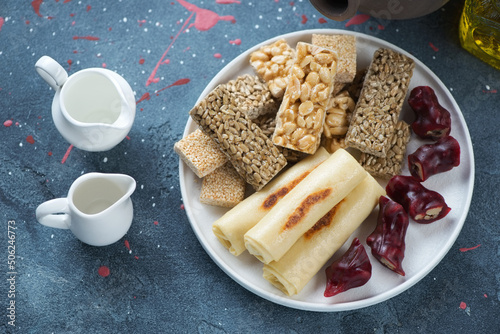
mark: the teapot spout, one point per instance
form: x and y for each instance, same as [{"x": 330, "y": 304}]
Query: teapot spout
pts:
[{"x": 338, "y": 10}]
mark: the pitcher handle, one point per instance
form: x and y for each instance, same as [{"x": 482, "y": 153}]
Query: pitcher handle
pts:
[
  {"x": 54, "y": 213},
  {"x": 51, "y": 71}
]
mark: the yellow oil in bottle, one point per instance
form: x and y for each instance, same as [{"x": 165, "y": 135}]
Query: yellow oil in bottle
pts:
[{"x": 480, "y": 30}]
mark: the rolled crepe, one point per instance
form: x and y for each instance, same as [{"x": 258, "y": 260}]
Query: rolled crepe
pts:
[
  {"x": 303, "y": 206},
  {"x": 232, "y": 226},
  {"x": 312, "y": 251}
]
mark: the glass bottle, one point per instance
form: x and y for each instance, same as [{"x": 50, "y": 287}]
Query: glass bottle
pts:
[{"x": 479, "y": 30}]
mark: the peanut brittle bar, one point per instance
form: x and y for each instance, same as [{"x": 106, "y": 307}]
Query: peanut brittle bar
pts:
[
  {"x": 299, "y": 122},
  {"x": 272, "y": 63}
]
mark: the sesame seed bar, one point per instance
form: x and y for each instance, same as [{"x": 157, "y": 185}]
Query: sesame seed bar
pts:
[
  {"x": 251, "y": 95},
  {"x": 392, "y": 164},
  {"x": 272, "y": 63},
  {"x": 299, "y": 122},
  {"x": 223, "y": 187},
  {"x": 380, "y": 102},
  {"x": 252, "y": 154},
  {"x": 345, "y": 46},
  {"x": 200, "y": 153}
]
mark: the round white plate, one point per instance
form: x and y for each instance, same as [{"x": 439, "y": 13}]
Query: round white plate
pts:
[{"x": 426, "y": 245}]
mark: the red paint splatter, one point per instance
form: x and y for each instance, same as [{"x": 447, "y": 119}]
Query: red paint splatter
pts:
[
  {"x": 204, "y": 20},
  {"x": 136, "y": 257},
  {"x": 104, "y": 65},
  {"x": 226, "y": 2},
  {"x": 72, "y": 15},
  {"x": 141, "y": 22},
  {"x": 182, "y": 206},
  {"x": 89, "y": 38},
  {"x": 358, "y": 19},
  {"x": 36, "y": 6},
  {"x": 217, "y": 55},
  {"x": 30, "y": 139},
  {"x": 103, "y": 271},
  {"x": 322, "y": 20},
  {"x": 155, "y": 222},
  {"x": 381, "y": 27},
  {"x": 152, "y": 78},
  {"x": 141, "y": 61},
  {"x": 145, "y": 96},
  {"x": 7, "y": 123},
  {"x": 485, "y": 296},
  {"x": 493, "y": 91},
  {"x": 127, "y": 244},
  {"x": 49, "y": 154},
  {"x": 304, "y": 19},
  {"x": 66, "y": 155},
  {"x": 433, "y": 47},
  {"x": 70, "y": 62},
  {"x": 2, "y": 21},
  {"x": 28, "y": 22},
  {"x": 463, "y": 306},
  {"x": 468, "y": 249},
  {"x": 179, "y": 82},
  {"x": 292, "y": 3},
  {"x": 88, "y": 8},
  {"x": 235, "y": 42},
  {"x": 66, "y": 1}
]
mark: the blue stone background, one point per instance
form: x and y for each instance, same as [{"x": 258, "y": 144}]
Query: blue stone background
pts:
[{"x": 161, "y": 280}]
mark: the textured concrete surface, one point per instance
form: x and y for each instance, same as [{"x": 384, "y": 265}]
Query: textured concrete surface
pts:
[{"x": 160, "y": 278}]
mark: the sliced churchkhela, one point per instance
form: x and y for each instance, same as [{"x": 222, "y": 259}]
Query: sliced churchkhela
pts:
[
  {"x": 298, "y": 211},
  {"x": 232, "y": 226},
  {"x": 313, "y": 250}
]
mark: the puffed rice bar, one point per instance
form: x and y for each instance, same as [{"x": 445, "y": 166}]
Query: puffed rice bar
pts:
[
  {"x": 392, "y": 164},
  {"x": 272, "y": 63},
  {"x": 380, "y": 102},
  {"x": 345, "y": 46},
  {"x": 223, "y": 187},
  {"x": 252, "y": 154},
  {"x": 299, "y": 122},
  {"x": 200, "y": 153}
]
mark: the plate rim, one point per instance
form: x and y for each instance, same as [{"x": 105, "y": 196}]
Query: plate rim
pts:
[{"x": 343, "y": 306}]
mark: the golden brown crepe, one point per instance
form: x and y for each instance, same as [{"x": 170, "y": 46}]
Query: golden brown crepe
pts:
[
  {"x": 303, "y": 206},
  {"x": 232, "y": 226},
  {"x": 311, "y": 252}
]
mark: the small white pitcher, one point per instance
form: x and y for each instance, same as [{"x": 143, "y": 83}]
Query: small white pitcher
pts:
[
  {"x": 93, "y": 109},
  {"x": 98, "y": 209}
]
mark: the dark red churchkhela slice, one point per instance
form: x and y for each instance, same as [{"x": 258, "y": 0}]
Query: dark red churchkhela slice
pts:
[
  {"x": 422, "y": 205},
  {"x": 433, "y": 120},
  {"x": 435, "y": 158},
  {"x": 387, "y": 241},
  {"x": 352, "y": 270}
]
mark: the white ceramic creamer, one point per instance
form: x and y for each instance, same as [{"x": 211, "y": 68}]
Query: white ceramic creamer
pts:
[
  {"x": 98, "y": 209},
  {"x": 93, "y": 109}
]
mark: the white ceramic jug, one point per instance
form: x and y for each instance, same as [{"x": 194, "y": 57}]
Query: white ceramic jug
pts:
[
  {"x": 340, "y": 10},
  {"x": 93, "y": 109},
  {"x": 98, "y": 209}
]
